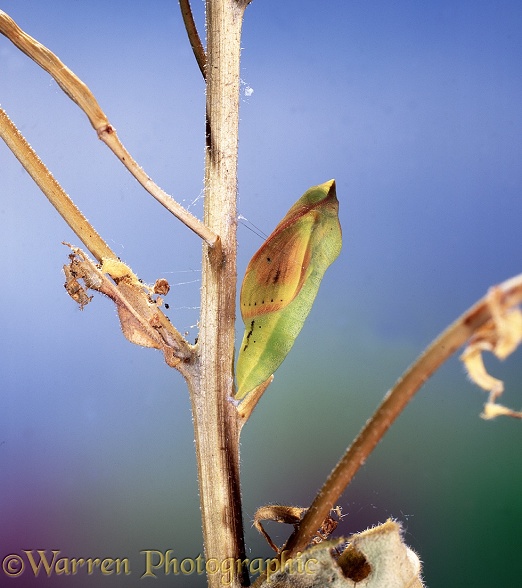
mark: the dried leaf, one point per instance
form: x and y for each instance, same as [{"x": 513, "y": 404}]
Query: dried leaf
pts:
[
  {"x": 392, "y": 564},
  {"x": 141, "y": 320},
  {"x": 501, "y": 335},
  {"x": 161, "y": 286},
  {"x": 75, "y": 290},
  {"x": 278, "y": 513},
  {"x": 376, "y": 558},
  {"x": 493, "y": 410},
  {"x": 292, "y": 515}
]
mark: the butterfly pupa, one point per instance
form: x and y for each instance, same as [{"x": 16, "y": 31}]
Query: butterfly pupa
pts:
[{"x": 282, "y": 281}]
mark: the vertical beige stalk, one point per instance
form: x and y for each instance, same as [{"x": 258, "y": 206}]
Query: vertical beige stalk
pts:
[{"x": 216, "y": 420}]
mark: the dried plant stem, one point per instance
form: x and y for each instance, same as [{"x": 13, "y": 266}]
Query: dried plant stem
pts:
[
  {"x": 216, "y": 421},
  {"x": 109, "y": 137},
  {"x": 192, "y": 32},
  {"x": 393, "y": 404},
  {"x": 84, "y": 98},
  {"x": 52, "y": 189}
]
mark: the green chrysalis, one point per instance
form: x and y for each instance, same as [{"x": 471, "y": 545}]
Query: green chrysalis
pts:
[{"x": 281, "y": 282}]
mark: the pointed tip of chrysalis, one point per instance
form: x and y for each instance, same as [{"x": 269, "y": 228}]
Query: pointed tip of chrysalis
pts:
[
  {"x": 328, "y": 187},
  {"x": 316, "y": 195}
]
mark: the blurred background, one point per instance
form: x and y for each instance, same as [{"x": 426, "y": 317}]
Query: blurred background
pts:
[{"x": 414, "y": 108}]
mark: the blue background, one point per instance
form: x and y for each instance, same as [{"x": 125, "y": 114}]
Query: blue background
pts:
[{"x": 414, "y": 108}]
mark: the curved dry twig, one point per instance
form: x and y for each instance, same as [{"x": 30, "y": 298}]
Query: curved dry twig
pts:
[
  {"x": 84, "y": 98},
  {"x": 193, "y": 35},
  {"x": 394, "y": 403}
]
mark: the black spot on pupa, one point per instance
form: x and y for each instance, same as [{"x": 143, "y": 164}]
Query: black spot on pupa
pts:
[{"x": 249, "y": 334}]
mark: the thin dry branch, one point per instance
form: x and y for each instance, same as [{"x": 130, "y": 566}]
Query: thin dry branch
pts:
[
  {"x": 52, "y": 189},
  {"x": 393, "y": 404},
  {"x": 194, "y": 38},
  {"x": 84, "y": 98},
  {"x": 142, "y": 321}
]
